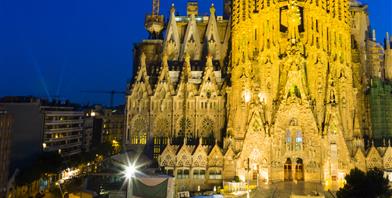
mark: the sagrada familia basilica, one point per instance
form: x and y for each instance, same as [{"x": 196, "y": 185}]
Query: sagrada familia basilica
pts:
[{"x": 273, "y": 90}]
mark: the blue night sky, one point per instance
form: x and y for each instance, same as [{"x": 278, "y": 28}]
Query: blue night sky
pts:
[{"x": 60, "y": 47}]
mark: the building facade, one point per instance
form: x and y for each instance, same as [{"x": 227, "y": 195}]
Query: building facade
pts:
[
  {"x": 63, "y": 129},
  {"x": 282, "y": 86},
  {"x": 5, "y": 149},
  {"x": 27, "y": 137},
  {"x": 113, "y": 124},
  {"x": 43, "y": 126}
]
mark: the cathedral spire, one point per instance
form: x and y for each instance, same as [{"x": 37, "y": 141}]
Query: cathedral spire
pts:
[
  {"x": 212, "y": 39},
  {"x": 388, "y": 57},
  {"x": 192, "y": 44},
  {"x": 209, "y": 85},
  {"x": 374, "y": 35},
  {"x": 172, "y": 43},
  {"x": 164, "y": 80},
  {"x": 185, "y": 88}
]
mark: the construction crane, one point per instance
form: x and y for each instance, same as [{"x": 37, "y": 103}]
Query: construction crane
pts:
[
  {"x": 110, "y": 93},
  {"x": 154, "y": 22},
  {"x": 155, "y": 7}
]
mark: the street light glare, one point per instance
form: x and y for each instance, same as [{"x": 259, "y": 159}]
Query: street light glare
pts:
[{"x": 130, "y": 171}]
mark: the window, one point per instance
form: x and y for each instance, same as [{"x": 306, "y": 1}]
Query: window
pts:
[
  {"x": 298, "y": 141},
  {"x": 182, "y": 174},
  {"x": 288, "y": 140},
  {"x": 215, "y": 174},
  {"x": 143, "y": 138},
  {"x": 294, "y": 140},
  {"x": 199, "y": 174},
  {"x": 169, "y": 172}
]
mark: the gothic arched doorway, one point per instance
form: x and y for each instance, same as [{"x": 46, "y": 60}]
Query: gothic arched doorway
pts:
[
  {"x": 299, "y": 170},
  {"x": 288, "y": 170}
]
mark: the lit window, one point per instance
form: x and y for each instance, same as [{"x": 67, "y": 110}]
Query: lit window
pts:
[
  {"x": 298, "y": 141},
  {"x": 182, "y": 174},
  {"x": 134, "y": 140},
  {"x": 199, "y": 174},
  {"x": 215, "y": 174},
  {"x": 169, "y": 172},
  {"x": 288, "y": 137},
  {"x": 143, "y": 139}
]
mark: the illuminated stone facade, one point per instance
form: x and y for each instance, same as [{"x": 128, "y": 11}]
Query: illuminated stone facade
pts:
[{"x": 281, "y": 85}]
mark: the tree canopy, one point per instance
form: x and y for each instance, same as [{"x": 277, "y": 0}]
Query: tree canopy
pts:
[
  {"x": 359, "y": 184},
  {"x": 46, "y": 162}
]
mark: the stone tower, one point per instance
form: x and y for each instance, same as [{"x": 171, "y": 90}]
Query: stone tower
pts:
[
  {"x": 291, "y": 102},
  {"x": 273, "y": 90}
]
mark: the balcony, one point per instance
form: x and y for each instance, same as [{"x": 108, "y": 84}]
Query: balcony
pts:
[
  {"x": 63, "y": 130},
  {"x": 64, "y": 113},
  {"x": 57, "y": 122}
]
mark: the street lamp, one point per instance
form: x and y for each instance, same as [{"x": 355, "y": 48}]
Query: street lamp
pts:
[{"x": 129, "y": 173}]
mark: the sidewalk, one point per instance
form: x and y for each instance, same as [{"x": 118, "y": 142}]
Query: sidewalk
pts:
[{"x": 286, "y": 189}]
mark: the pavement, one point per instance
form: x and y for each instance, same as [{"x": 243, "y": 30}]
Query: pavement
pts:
[{"x": 286, "y": 189}]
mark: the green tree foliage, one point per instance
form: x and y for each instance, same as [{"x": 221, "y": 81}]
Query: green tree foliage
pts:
[{"x": 372, "y": 184}]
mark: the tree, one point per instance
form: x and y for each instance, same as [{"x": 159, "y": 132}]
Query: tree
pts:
[
  {"x": 372, "y": 184},
  {"x": 46, "y": 162}
]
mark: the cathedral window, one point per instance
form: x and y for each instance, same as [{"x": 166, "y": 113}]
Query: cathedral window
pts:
[
  {"x": 162, "y": 127},
  {"x": 208, "y": 127},
  {"x": 199, "y": 174},
  {"x": 294, "y": 137},
  {"x": 134, "y": 140},
  {"x": 184, "y": 128},
  {"x": 143, "y": 138},
  {"x": 298, "y": 141},
  {"x": 255, "y": 34},
  {"x": 182, "y": 174},
  {"x": 139, "y": 131},
  {"x": 215, "y": 174},
  {"x": 169, "y": 172},
  {"x": 288, "y": 140},
  {"x": 208, "y": 93}
]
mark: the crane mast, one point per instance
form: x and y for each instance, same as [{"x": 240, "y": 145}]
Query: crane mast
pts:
[{"x": 155, "y": 7}]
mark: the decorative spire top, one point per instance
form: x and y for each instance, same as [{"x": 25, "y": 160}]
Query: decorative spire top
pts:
[
  {"x": 172, "y": 9},
  {"x": 212, "y": 9},
  {"x": 374, "y": 35},
  {"x": 387, "y": 42}
]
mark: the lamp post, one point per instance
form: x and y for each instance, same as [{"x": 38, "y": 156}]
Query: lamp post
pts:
[
  {"x": 129, "y": 173},
  {"x": 247, "y": 190}
]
